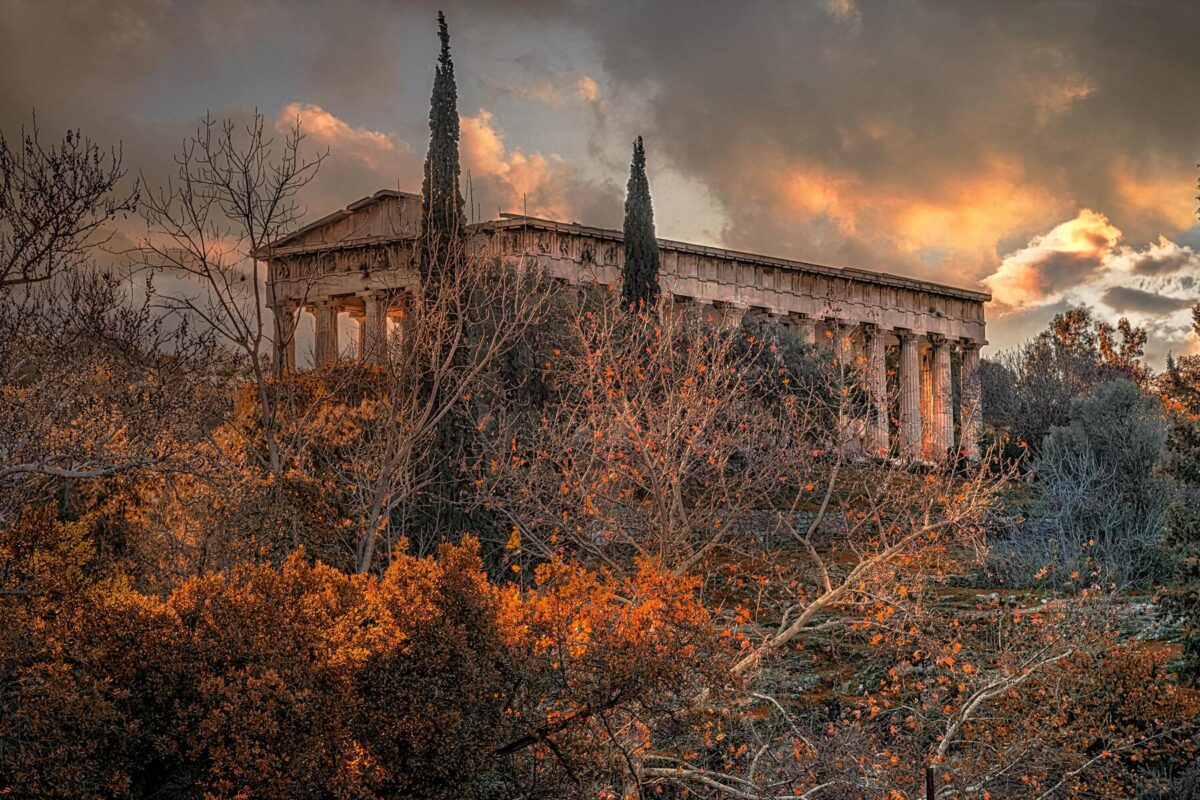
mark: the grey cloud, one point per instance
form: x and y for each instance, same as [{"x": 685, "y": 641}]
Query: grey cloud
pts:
[
  {"x": 1153, "y": 264},
  {"x": 1060, "y": 270},
  {"x": 917, "y": 95},
  {"x": 1126, "y": 299},
  {"x": 907, "y": 104}
]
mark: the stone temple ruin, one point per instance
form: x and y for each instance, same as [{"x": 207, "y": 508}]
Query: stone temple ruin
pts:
[{"x": 360, "y": 261}]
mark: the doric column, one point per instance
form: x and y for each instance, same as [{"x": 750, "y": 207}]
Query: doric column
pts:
[
  {"x": 326, "y": 345},
  {"x": 941, "y": 436},
  {"x": 397, "y": 309},
  {"x": 840, "y": 344},
  {"x": 970, "y": 395},
  {"x": 284, "y": 334},
  {"x": 846, "y": 368},
  {"x": 805, "y": 327},
  {"x": 910, "y": 394},
  {"x": 374, "y": 328},
  {"x": 360, "y": 329},
  {"x": 730, "y": 313},
  {"x": 681, "y": 306},
  {"x": 926, "y": 401},
  {"x": 877, "y": 424}
]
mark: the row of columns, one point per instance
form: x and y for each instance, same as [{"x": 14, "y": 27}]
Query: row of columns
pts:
[
  {"x": 371, "y": 311},
  {"x": 925, "y": 421}
]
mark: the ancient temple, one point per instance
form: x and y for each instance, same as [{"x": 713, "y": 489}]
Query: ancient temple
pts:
[{"x": 360, "y": 262}]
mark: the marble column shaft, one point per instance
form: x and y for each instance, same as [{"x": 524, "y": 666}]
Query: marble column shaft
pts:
[
  {"x": 285, "y": 336},
  {"x": 877, "y": 425},
  {"x": 941, "y": 436},
  {"x": 374, "y": 329},
  {"x": 806, "y": 328},
  {"x": 910, "y": 395},
  {"x": 970, "y": 395},
  {"x": 326, "y": 345}
]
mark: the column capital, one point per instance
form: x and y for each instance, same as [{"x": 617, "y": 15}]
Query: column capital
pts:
[
  {"x": 971, "y": 344},
  {"x": 907, "y": 335}
]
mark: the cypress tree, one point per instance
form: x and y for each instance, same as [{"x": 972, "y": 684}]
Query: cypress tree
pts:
[
  {"x": 442, "y": 222},
  {"x": 640, "y": 284}
]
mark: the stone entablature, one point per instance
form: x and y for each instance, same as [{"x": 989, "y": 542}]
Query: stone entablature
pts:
[
  {"x": 358, "y": 261},
  {"x": 580, "y": 254}
]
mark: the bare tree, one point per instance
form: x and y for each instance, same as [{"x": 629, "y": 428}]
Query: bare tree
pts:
[
  {"x": 658, "y": 442},
  {"x": 55, "y": 202},
  {"x": 93, "y": 384},
  {"x": 467, "y": 316},
  {"x": 233, "y": 195}
]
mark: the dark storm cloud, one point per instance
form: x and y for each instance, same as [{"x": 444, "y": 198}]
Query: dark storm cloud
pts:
[
  {"x": 910, "y": 125},
  {"x": 1057, "y": 270},
  {"x": 1124, "y": 298}
]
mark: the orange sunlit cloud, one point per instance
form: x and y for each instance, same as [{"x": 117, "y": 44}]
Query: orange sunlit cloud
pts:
[
  {"x": 1069, "y": 254},
  {"x": 534, "y": 182},
  {"x": 965, "y": 216},
  {"x": 1159, "y": 198},
  {"x": 589, "y": 90},
  {"x": 373, "y": 149}
]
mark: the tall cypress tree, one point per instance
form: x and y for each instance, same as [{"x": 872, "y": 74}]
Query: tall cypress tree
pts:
[
  {"x": 640, "y": 284},
  {"x": 442, "y": 222}
]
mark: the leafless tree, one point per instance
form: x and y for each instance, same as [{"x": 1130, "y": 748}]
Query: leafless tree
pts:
[
  {"x": 454, "y": 331},
  {"x": 93, "y": 384},
  {"x": 55, "y": 204},
  {"x": 234, "y": 194},
  {"x": 657, "y": 442}
]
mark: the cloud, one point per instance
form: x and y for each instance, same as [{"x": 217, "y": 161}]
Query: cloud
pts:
[
  {"x": 1068, "y": 255},
  {"x": 1159, "y": 196},
  {"x": 543, "y": 92},
  {"x": 373, "y": 149},
  {"x": 1125, "y": 298},
  {"x": 361, "y": 161},
  {"x": 1161, "y": 258},
  {"x": 1084, "y": 261},
  {"x": 512, "y": 180},
  {"x": 589, "y": 90},
  {"x": 919, "y": 137}
]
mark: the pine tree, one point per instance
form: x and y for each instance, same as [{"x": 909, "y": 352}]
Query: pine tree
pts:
[
  {"x": 442, "y": 222},
  {"x": 640, "y": 284}
]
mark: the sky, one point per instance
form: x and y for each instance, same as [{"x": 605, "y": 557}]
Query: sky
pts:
[{"x": 1044, "y": 152}]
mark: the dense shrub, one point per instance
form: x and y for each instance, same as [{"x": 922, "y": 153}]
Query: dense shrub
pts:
[
  {"x": 1029, "y": 390},
  {"x": 302, "y": 681},
  {"x": 1180, "y": 600},
  {"x": 1101, "y": 507}
]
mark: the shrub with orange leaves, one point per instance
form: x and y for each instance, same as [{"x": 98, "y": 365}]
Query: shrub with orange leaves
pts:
[{"x": 303, "y": 681}]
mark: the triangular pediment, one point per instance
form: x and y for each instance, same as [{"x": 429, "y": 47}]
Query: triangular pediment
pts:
[{"x": 387, "y": 215}]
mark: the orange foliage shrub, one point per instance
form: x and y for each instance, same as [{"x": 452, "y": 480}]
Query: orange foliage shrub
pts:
[{"x": 303, "y": 681}]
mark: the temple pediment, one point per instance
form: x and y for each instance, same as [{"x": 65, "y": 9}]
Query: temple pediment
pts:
[{"x": 386, "y": 216}]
